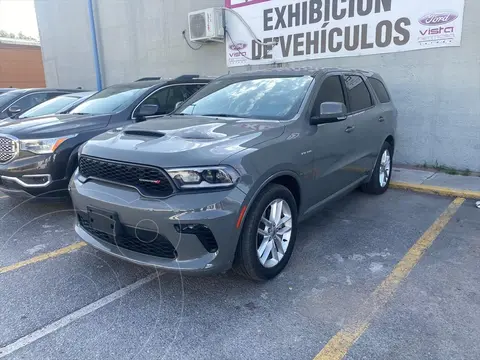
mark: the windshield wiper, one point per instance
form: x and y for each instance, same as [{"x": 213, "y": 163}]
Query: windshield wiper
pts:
[
  {"x": 220, "y": 115},
  {"x": 80, "y": 113}
]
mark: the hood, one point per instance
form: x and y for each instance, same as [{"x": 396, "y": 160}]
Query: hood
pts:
[
  {"x": 182, "y": 141},
  {"x": 52, "y": 125}
]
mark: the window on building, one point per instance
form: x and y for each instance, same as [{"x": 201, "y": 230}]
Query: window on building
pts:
[
  {"x": 380, "y": 90},
  {"x": 358, "y": 93}
]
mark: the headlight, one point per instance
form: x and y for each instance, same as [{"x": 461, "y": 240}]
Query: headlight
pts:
[
  {"x": 43, "y": 146},
  {"x": 204, "y": 177}
]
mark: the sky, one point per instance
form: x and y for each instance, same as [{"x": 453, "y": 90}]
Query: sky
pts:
[{"x": 18, "y": 15}]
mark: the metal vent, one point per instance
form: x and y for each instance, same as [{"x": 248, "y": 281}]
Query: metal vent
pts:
[
  {"x": 198, "y": 26},
  {"x": 8, "y": 149}
]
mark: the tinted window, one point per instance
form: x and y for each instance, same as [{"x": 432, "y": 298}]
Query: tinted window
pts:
[
  {"x": 50, "y": 106},
  {"x": 330, "y": 91},
  {"x": 380, "y": 90},
  {"x": 192, "y": 89},
  {"x": 168, "y": 97},
  {"x": 7, "y": 98},
  {"x": 358, "y": 93},
  {"x": 265, "y": 98},
  {"x": 113, "y": 99},
  {"x": 31, "y": 100}
]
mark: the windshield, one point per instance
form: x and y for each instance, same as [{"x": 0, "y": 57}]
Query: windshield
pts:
[
  {"x": 51, "y": 106},
  {"x": 266, "y": 98},
  {"x": 111, "y": 100}
]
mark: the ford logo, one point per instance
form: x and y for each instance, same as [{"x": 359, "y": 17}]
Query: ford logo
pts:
[
  {"x": 238, "y": 46},
  {"x": 438, "y": 18}
]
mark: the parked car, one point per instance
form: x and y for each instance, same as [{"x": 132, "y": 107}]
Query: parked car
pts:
[
  {"x": 225, "y": 179},
  {"x": 39, "y": 155},
  {"x": 62, "y": 104},
  {"x": 14, "y": 103},
  {"x": 5, "y": 90}
]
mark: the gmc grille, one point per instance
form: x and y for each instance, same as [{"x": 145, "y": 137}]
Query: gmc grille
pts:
[
  {"x": 148, "y": 181},
  {"x": 7, "y": 149}
]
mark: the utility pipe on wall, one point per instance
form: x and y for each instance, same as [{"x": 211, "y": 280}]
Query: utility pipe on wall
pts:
[{"x": 96, "y": 59}]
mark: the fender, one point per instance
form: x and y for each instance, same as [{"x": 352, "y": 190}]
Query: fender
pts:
[
  {"x": 72, "y": 162},
  {"x": 378, "y": 157},
  {"x": 250, "y": 199}
]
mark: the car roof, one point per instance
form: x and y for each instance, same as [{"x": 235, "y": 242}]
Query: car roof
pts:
[
  {"x": 300, "y": 71},
  {"x": 33, "y": 90},
  {"x": 158, "y": 83},
  {"x": 80, "y": 94}
]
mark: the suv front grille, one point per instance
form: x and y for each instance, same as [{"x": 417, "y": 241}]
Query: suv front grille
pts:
[
  {"x": 7, "y": 149},
  {"x": 148, "y": 181},
  {"x": 130, "y": 240}
]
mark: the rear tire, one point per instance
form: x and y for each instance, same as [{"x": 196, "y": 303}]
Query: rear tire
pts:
[
  {"x": 382, "y": 173},
  {"x": 268, "y": 235}
]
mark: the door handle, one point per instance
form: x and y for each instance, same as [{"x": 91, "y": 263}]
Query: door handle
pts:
[
  {"x": 381, "y": 119},
  {"x": 349, "y": 129}
]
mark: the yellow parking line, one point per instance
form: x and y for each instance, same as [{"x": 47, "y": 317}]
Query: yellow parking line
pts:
[
  {"x": 436, "y": 190},
  {"x": 340, "y": 344},
  {"x": 43, "y": 257}
]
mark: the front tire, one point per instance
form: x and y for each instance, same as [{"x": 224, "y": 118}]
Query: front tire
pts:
[
  {"x": 382, "y": 173},
  {"x": 268, "y": 235}
]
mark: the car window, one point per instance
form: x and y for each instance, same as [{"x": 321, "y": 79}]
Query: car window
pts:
[
  {"x": 358, "y": 93},
  {"x": 330, "y": 91},
  {"x": 7, "y": 98},
  {"x": 192, "y": 89},
  {"x": 168, "y": 97},
  {"x": 112, "y": 99},
  {"x": 31, "y": 100},
  {"x": 380, "y": 90},
  {"x": 49, "y": 107},
  {"x": 269, "y": 98}
]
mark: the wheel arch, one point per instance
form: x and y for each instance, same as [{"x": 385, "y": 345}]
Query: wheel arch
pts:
[
  {"x": 287, "y": 178},
  {"x": 391, "y": 140}
]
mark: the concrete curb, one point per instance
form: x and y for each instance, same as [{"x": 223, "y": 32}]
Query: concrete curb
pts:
[{"x": 436, "y": 190}]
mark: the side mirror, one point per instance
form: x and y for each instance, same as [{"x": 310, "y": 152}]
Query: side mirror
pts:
[
  {"x": 330, "y": 112},
  {"x": 14, "y": 110},
  {"x": 146, "y": 110},
  {"x": 178, "y": 104}
]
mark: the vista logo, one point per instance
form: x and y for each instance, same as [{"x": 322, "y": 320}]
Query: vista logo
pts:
[{"x": 438, "y": 18}]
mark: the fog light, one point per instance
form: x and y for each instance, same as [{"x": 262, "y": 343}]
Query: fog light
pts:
[{"x": 202, "y": 232}]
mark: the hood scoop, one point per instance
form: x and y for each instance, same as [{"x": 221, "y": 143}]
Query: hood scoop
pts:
[{"x": 144, "y": 133}]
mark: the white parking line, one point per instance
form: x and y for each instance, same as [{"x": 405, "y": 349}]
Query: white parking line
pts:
[{"x": 67, "y": 320}]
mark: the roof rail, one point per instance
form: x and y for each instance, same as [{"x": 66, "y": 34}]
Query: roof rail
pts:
[
  {"x": 149, "y": 78},
  {"x": 187, "y": 77}
]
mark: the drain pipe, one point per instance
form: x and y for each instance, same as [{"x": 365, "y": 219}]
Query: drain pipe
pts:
[{"x": 96, "y": 59}]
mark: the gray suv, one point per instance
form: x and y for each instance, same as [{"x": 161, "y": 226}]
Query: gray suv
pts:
[{"x": 226, "y": 178}]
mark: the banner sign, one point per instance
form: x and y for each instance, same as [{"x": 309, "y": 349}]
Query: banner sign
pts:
[{"x": 317, "y": 29}]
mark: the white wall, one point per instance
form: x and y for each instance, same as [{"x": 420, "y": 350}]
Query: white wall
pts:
[{"x": 437, "y": 91}]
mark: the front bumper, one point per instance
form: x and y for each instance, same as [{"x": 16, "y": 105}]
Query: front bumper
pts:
[
  {"x": 32, "y": 176},
  {"x": 216, "y": 211}
]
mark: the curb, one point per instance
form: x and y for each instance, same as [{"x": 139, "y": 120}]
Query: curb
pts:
[{"x": 436, "y": 190}]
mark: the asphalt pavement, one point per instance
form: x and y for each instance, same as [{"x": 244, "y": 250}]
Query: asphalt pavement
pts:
[{"x": 82, "y": 304}]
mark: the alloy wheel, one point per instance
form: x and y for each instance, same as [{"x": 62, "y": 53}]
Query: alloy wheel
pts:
[
  {"x": 385, "y": 168},
  {"x": 274, "y": 233}
]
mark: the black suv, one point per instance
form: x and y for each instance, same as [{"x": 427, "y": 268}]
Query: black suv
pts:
[
  {"x": 14, "y": 103},
  {"x": 38, "y": 155}
]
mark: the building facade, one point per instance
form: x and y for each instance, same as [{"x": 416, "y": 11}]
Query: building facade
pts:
[
  {"x": 21, "y": 64},
  {"x": 437, "y": 91}
]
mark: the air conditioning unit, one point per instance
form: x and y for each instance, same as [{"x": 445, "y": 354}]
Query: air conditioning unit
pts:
[{"x": 206, "y": 25}]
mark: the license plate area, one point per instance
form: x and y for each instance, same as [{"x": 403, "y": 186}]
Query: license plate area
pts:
[{"x": 104, "y": 221}]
